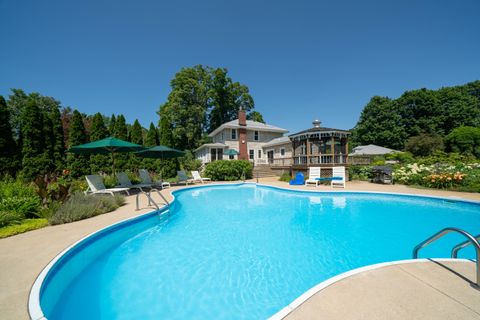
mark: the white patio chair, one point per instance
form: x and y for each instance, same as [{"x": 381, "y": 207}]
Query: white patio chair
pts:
[
  {"x": 145, "y": 177},
  {"x": 313, "y": 176},
  {"x": 182, "y": 178},
  {"x": 197, "y": 177},
  {"x": 338, "y": 177},
  {"x": 96, "y": 186}
]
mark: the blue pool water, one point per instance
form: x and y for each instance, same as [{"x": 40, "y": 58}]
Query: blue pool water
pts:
[{"x": 242, "y": 252}]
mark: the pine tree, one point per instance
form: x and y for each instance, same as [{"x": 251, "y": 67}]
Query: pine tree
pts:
[
  {"x": 78, "y": 164},
  {"x": 33, "y": 141},
  {"x": 58, "y": 140},
  {"x": 165, "y": 134},
  {"x": 120, "y": 130},
  {"x": 8, "y": 147},
  {"x": 152, "y": 136},
  {"x": 136, "y": 133},
  {"x": 111, "y": 126},
  {"x": 98, "y": 130},
  {"x": 49, "y": 140}
]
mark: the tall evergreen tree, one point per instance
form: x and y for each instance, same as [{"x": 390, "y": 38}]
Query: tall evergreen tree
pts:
[
  {"x": 111, "y": 125},
  {"x": 49, "y": 139},
  {"x": 98, "y": 130},
  {"x": 8, "y": 147},
  {"x": 58, "y": 139},
  {"x": 136, "y": 133},
  {"x": 152, "y": 136},
  {"x": 120, "y": 130},
  {"x": 78, "y": 164},
  {"x": 33, "y": 141}
]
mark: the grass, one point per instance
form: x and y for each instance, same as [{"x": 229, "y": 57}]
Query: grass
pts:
[{"x": 24, "y": 226}]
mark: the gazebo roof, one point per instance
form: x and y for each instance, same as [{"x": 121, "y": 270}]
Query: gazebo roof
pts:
[{"x": 319, "y": 132}]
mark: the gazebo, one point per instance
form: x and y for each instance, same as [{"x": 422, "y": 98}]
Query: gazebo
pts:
[{"x": 319, "y": 146}]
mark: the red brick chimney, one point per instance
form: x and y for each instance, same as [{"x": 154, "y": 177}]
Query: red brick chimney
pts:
[{"x": 242, "y": 135}]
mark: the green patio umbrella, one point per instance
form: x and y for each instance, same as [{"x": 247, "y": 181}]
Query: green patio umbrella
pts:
[
  {"x": 108, "y": 145},
  {"x": 160, "y": 152},
  {"x": 231, "y": 152}
]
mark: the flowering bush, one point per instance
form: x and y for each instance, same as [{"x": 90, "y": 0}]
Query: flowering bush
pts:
[
  {"x": 444, "y": 180},
  {"x": 460, "y": 176}
]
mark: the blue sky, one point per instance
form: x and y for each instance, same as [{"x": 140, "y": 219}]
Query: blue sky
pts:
[{"x": 301, "y": 59}]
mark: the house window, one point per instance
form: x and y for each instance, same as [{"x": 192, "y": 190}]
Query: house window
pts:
[
  {"x": 255, "y": 136},
  {"x": 259, "y": 154},
  {"x": 231, "y": 157},
  {"x": 234, "y": 134},
  {"x": 282, "y": 152},
  {"x": 251, "y": 154}
]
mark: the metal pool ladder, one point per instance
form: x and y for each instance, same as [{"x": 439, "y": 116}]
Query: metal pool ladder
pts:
[
  {"x": 150, "y": 199},
  {"x": 470, "y": 240}
]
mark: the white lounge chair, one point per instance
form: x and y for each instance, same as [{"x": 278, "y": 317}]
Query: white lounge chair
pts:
[
  {"x": 96, "y": 186},
  {"x": 146, "y": 179},
  {"x": 197, "y": 177},
  {"x": 182, "y": 177},
  {"x": 124, "y": 182},
  {"x": 338, "y": 176},
  {"x": 313, "y": 176}
]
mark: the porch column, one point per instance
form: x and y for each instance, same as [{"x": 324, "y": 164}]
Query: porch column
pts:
[
  {"x": 332, "y": 148},
  {"x": 308, "y": 150}
]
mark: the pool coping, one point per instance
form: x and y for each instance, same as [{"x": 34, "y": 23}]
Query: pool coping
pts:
[
  {"x": 36, "y": 313},
  {"x": 342, "y": 276}
]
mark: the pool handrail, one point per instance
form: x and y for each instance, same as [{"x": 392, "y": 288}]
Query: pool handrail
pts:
[
  {"x": 462, "y": 245},
  {"x": 470, "y": 239}
]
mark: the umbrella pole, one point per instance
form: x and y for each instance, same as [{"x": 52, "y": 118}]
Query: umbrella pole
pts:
[{"x": 113, "y": 163}]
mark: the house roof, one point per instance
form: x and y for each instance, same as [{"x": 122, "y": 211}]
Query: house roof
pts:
[
  {"x": 211, "y": 145},
  {"x": 370, "y": 149},
  {"x": 251, "y": 125},
  {"x": 277, "y": 141}
]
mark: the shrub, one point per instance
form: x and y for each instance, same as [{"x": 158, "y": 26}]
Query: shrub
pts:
[
  {"x": 10, "y": 217},
  {"x": 17, "y": 201},
  {"x": 189, "y": 163},
  {"x": 286, "y": 177},
  {"x": 424, "y": 144},
  {"x": 464, "y": 140},
  {"x": 81, "y": 206},
  {"x": 402, "y": 157},
  {"x": 359, "y": 172},
  {"x": 229, "y": 170},
  {"x": 26, "y": 207}
]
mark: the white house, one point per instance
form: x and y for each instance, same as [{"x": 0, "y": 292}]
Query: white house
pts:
[{"x": 255, "y": 141}]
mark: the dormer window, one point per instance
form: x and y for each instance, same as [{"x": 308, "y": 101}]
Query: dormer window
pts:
[
  {"x": 255, "y": 135},
  {"x": 234, "y": 134}
]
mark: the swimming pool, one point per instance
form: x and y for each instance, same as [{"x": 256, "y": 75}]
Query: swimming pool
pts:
[{"x": 241, "y": 251}]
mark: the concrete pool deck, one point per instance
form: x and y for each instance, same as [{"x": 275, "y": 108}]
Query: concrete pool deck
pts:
[{"x": 23, "y": 256}]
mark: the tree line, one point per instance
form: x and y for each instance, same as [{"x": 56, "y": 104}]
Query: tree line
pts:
[
  {"x": 423, "y": 121},
  {"x": 36, "y": 131}
]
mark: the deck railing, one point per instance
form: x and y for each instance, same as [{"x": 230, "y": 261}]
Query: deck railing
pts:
[{"x": 320, "y": 159}]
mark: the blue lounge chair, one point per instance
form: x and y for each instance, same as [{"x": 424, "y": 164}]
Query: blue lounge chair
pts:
[{"x": 299, "y": 180}]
